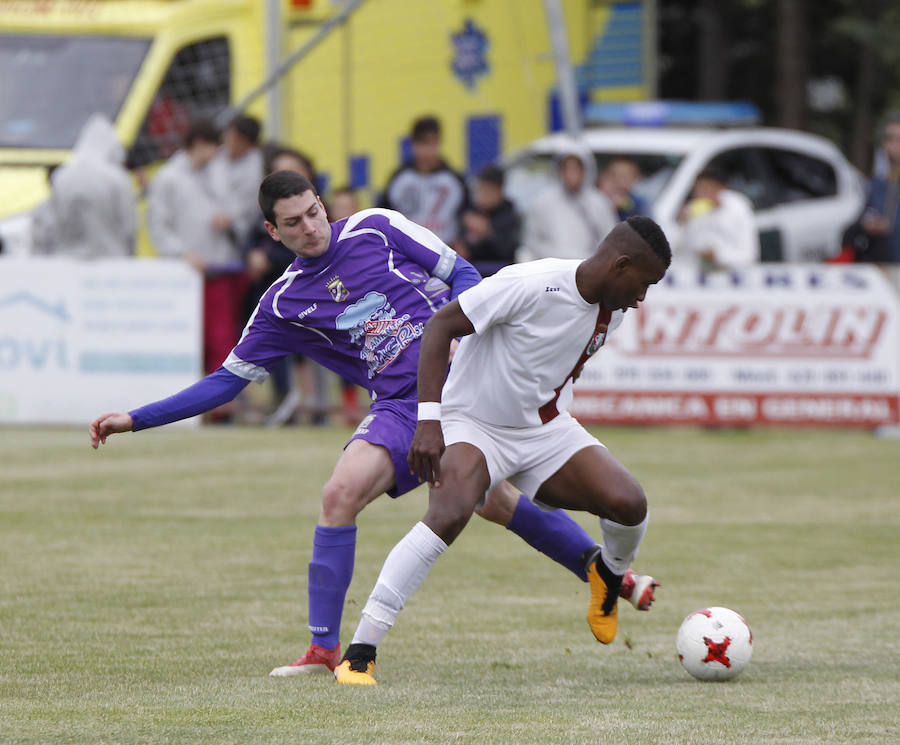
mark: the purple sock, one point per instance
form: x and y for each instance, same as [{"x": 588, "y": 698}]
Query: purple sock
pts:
[
  {"x": 330, "y": 572},
  {"x": 553, "y": 533}
]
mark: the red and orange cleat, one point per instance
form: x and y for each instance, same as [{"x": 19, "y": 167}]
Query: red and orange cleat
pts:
[
  {"x": 638, "y": 589},
  {"x": 316, "y": 660}
]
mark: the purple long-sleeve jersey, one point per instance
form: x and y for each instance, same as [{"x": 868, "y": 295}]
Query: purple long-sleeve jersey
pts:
[{"x": 359, "y": 309}]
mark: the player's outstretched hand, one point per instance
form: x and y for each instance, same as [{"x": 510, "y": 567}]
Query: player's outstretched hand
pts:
[
  {"x": 426, "y": 450},
  {"x": 109, "y": 424}
]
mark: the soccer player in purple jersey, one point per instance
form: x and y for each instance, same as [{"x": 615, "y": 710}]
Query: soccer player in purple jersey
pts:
[{"x": 356, "y": 300}]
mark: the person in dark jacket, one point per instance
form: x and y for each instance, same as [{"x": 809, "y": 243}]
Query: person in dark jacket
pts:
[
  {"x": 493, "y": 228},
  {"x": 881, "y": 220}
]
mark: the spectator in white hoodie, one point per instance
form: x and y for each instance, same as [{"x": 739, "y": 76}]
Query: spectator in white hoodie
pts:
[
  {"x": 92, "y": 208},
  {"x": 569, "y": 219}
]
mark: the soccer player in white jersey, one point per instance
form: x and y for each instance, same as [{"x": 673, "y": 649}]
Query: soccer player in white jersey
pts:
[{"x": 528, "y": 331}]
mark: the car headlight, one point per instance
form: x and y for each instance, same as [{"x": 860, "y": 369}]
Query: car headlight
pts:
[{"x": 15, "y": 234}]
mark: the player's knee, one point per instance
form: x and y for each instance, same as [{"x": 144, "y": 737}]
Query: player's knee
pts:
[
  {"x": 493, "y": 513},
  {"x": 341, "y": 502},
  {"x": 628, "y": 505},
  {"x": 500, "y": 504},
  {"x": 448, "y": 517},
  {"x": 447, "y": 524}
]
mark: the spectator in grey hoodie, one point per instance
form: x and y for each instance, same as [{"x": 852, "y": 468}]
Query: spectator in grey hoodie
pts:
[
  {"x": 237, "y": 170},
  {"x": 570, "y": 218},
  {"x": 187, "y": 218},
  {"x": 92, "y": 208}
]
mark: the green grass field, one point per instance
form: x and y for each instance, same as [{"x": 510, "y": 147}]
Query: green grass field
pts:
[{"x": 147, "y": 589}]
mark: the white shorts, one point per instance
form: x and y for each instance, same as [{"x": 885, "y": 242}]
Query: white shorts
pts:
[{"x": 527, "y": 456}]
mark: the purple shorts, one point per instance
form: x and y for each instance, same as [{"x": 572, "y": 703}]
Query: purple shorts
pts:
[{"x": 391, "y": 423}]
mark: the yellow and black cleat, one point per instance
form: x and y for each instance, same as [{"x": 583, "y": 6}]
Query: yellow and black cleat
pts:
[
  {"x": 602, "y": 615},
  {"x": 357, "y": 666},
  {"x": 346, "y": 674}
]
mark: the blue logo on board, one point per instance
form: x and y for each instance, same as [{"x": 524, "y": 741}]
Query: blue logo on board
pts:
[
  {"x": 470, "y": 53},
  {"x": 31, "y": 334},
  {"x": 57, "y": 310}
]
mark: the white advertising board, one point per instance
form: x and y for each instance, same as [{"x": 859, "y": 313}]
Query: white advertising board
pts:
[
  {"x": 774, "y": 344},
  {"x": 78, "y": 338}
]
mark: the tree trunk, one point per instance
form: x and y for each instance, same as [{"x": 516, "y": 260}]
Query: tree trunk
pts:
[
  {"x": 791, "y": 67},
  {"x": 861, "y": 131},
  {"x": 712, "y": 59}
]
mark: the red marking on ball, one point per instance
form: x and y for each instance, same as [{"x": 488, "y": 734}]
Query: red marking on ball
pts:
[{"x": 715, "y": 651}]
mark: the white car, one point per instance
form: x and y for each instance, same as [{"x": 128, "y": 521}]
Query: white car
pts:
[{"x": 804, "y": 191}]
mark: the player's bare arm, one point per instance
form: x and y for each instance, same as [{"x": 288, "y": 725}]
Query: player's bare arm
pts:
[
  {"x": 109, "y": 424},
  {"x": 428, "y": 443}
]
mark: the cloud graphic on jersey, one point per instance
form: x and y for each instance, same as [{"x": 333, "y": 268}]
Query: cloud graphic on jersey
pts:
[
  {"x": 360, "y": 311},
  {"x": 373, "y": 307}
]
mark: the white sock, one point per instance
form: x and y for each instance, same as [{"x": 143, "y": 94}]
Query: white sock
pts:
[
  {"x": 405, "y": 568},
  {"x": 620, "y": 543}
]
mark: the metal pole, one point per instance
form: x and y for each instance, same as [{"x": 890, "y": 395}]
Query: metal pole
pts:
[
  {"x": 649, "y": 73},
  {"x": 273, "y": 57},
  {"x": 225, "y": 116},
  {"x": 565, "y": 77},
  {"x": 347, "y": 85}
]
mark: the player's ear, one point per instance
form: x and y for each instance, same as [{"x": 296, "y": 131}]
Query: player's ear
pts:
[
  {"x": 272, "y": 231},
  {"x": 622, "y": 262}
]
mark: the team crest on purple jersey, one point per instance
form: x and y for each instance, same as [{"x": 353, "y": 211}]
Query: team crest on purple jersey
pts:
[{"x": 336, "y": 287}]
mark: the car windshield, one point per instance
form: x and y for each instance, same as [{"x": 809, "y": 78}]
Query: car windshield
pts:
[
  {"x": 52, "y": 84},
  {"x": 532, "y": 172}
]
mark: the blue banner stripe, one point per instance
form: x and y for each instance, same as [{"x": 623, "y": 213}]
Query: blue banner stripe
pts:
[{"x": 136, "y": 363}]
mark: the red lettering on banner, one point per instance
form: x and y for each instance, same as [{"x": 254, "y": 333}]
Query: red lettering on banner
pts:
[
  {"x": 859, "y": 329},
  {"x": 735, "y": 408},
  {"x": 737, "y": 331},
  {"x": 642, "y": 407}
]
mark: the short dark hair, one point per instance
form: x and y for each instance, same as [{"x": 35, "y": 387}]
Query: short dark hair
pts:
[
  {"x": 281, "y": 185},
  {"x": 653, "y": 236},
  {"x": 425, "y": 126},
  {"x": 247, "y": 126},
  {"x": 620, "y": 159},
  {"x": 201, "y": 130},
  {"x": 890, "y": 119},
  {"x": 713, "y": 172},
  {"x": 491, "y": 174},
  {"x": 279, "y": 150}
]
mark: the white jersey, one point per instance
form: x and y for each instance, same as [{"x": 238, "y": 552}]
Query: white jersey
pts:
[{"x": 533, "y": 330}]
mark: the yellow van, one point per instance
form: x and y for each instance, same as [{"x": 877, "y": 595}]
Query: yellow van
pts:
[{"x": 484, "y": 67}]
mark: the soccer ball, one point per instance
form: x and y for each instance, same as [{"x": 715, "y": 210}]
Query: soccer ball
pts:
[{"x": 714, "y": 644}]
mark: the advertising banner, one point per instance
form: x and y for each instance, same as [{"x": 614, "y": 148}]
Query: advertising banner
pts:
[
  {"x": 773, "y": 344},
  {"x": 78, "y": 338}
]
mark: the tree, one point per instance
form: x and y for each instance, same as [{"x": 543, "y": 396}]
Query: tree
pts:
[
  {"x": 874, "y": 27},
  {"x": 769, "y": 51},
  {"x": 791, "y": 67}
]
